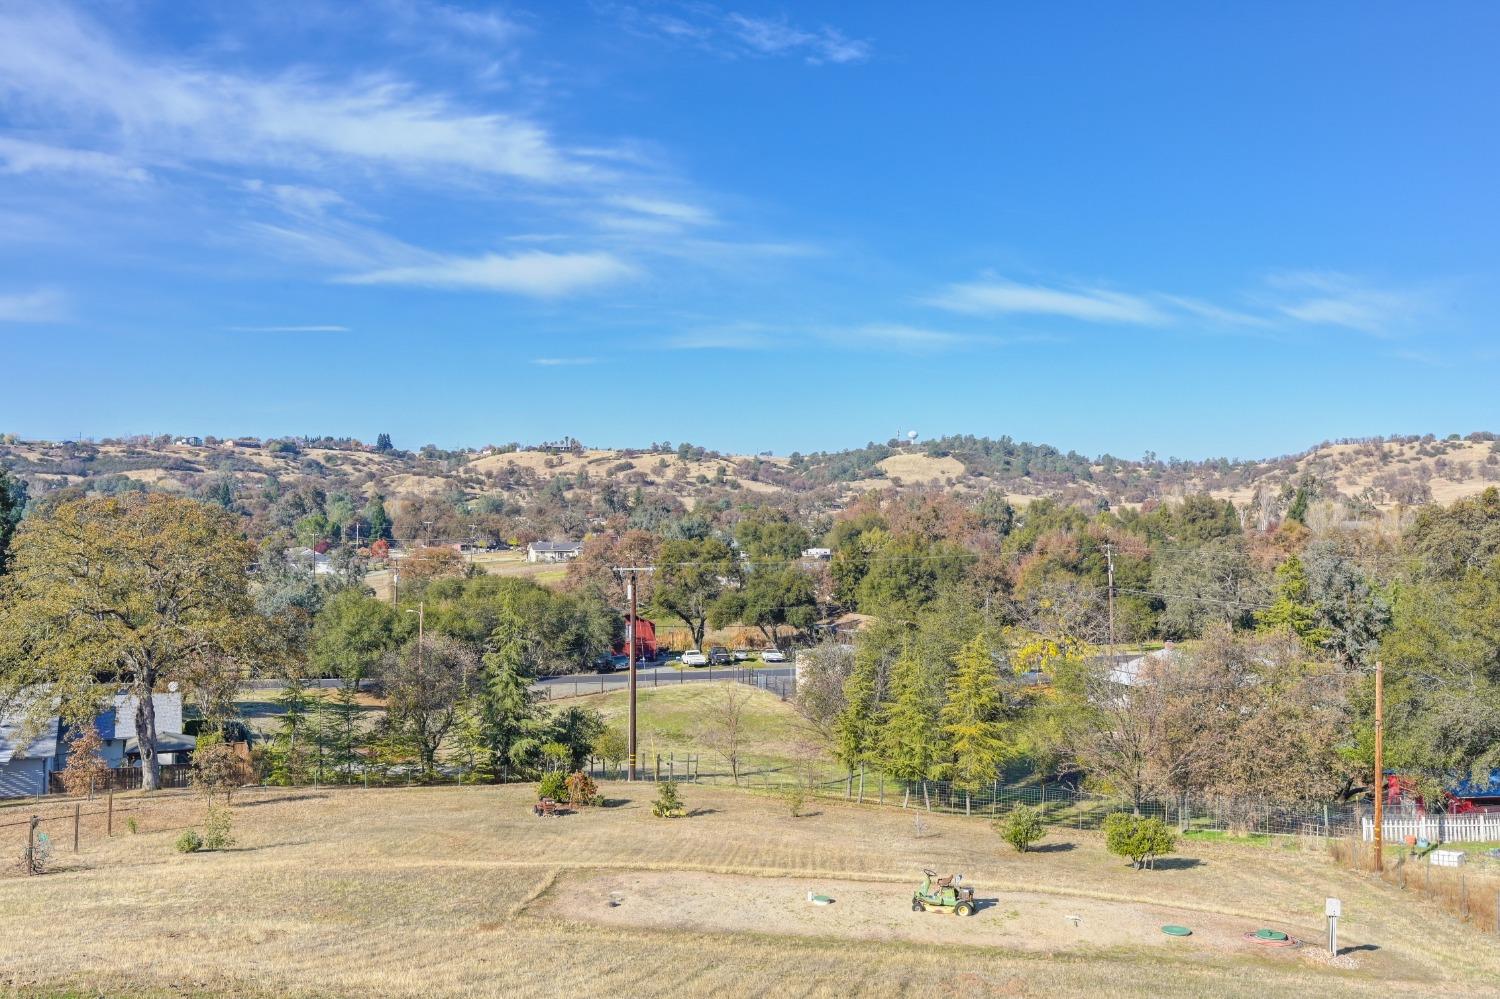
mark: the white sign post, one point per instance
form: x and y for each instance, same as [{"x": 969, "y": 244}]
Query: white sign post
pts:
[{"x": 1333, "y": 909}]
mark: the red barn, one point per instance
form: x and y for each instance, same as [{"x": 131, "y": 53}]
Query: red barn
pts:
[{"x": 645, "y": 639}]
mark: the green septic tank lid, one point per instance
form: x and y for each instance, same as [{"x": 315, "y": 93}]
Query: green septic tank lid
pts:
[
  {"x": 1173, "y": 930},
  {"x": 820, "y": 900},
  {"x": 1270, "y": 934}
]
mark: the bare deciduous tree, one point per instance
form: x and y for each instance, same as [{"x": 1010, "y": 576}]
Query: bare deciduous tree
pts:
[{"x": 724, "y": 726}]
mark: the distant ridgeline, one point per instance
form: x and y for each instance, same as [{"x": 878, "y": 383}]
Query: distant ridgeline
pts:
[{"x": 565, "y": 489}]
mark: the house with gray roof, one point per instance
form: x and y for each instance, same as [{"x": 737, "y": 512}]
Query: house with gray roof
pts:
[
  {"x": 553, "y": 551},
  {"x": 26, "y": 764},
  {"x": 25, "y": 767}
]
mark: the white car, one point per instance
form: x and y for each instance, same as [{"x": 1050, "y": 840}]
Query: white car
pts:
[
  {"x": 772, "y": 656},
  {"x": 692, "y": 657}
]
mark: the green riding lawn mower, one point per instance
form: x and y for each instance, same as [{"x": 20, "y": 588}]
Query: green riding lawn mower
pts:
[{"x": 943, "y": 895}]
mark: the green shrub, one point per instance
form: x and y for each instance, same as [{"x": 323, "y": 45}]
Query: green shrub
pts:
[
  {"x": 553, "y": 785},
  {"x": 668, "y": 804},
  {"x": 132, "y": 825},
  {"x": 216, "y": 834},
  {"x": 189, "y": 842},
  {"x": 1022, "y": 827},
  {"x": 1139, "y": 839}
]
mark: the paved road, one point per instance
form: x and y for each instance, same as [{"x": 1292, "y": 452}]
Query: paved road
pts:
[
  {"x": 654, "y": 676},
  {"x": 657, "y": 675}
]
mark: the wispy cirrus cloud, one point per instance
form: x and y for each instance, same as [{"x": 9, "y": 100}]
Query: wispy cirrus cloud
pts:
[
  {"x": 997, "y": 297},
  {"x": 1325, "y": 298},
  {"x": 779, "y": 37},
  {"x": 18, "y": 156},
  {"x": 536, "y": 273},
  {"x": 1283, "y": 301},
  {"x": 897, "y": 337},
  {"x": 60, "y": 67},
  {"x": 330, "y": 328},
  {"x": 729, "y": 336},
  {"x": 680, "y": 212},
  {"x": 733, "y": 34},
  {"x": 42, "y": 305}
]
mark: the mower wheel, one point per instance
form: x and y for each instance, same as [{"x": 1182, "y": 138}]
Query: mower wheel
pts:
[
  {"x": 964, "y": 909},
  {"x": 916, "y": 905}
]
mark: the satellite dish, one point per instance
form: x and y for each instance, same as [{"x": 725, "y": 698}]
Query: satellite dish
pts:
[
  {"x": 911, "y": 435},
  {"x": 172, "y": 687}
]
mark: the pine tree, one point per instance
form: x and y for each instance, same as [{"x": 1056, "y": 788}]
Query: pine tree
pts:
[
  {"x": 378, "y": 520},
  {"x": 1293, "y": 608},
  {"x": 287, "y": 750},
  {"x": 345, "y": 736},
  {"x": 909, "y": 732},
  {"x": 471, "y": 743},
  {"x": 513, "y": 725},
  {"x": 857, "y": 726},
  {"x": 972, "y": 718}
]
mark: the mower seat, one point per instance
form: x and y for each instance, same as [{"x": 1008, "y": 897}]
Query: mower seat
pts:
[{"x": 945, "y": 882}]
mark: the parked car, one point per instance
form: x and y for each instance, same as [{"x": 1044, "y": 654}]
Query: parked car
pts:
[
  {"x": 719, "y": 656},
  {"x": 692, "y": 657},
  {"x": 741, "y": 655},
  {"x": 772, "y": 656},
  {"x": 605, "y": 664}
]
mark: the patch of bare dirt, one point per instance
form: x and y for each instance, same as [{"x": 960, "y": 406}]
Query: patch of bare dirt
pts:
[{"x": 870, "y": 910}]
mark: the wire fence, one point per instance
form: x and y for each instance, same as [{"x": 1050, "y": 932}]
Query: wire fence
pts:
[
  {"x": 580, "y": 685},
  {"x": 1061, "y": 804}
]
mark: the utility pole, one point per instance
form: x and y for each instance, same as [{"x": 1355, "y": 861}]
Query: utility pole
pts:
[
  {"x": 1379, "y": 832},
  {"x": 630, "y": 575},
  {"x": 1109, "y": 557},
  {"x": 630, "y": 641}
]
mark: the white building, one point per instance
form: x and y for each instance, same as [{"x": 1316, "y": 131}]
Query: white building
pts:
[{"x": 553, "y": 551}]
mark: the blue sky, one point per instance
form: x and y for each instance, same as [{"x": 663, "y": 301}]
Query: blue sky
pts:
[{"x": 1198, "y": 229}]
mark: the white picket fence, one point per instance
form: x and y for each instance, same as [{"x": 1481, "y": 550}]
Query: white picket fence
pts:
[{"x": 1476, "y": 827}]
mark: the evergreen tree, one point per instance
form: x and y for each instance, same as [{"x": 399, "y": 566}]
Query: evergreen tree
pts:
[
  {"x": 1292, "y": 608},
  {"x": 909, "y": 731},
  {"x": 345, "y": 737},
  {"x": 857, "y": 727},
  {"x": 972, "y": 718},
  {"x": 378, "y": 520},
  {"x": 471, "y": 746},
  {"x": 321, "y": 736},
  {"x": 383, "y": 442},
  {"x": 286, "y": 749},
  {"x": 514, "y": 726}
]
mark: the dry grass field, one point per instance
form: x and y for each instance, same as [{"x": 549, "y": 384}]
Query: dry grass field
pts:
[{"x": 463, "y": 892}]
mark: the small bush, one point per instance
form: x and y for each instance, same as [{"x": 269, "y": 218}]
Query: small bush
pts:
[
  {"x": 216, "y": 834},
  {"x": 795, "y": 797},
  {"x": 1141, "y": 840},
  {"x": 189, "y": 842},
  {"x": 1022, "y": 827},
  {"x": 553, "y": 784},
  {"x": 582, "y": 790},
  {"x": 668, "y": 804},
  {"x": 132, "y": 825}
]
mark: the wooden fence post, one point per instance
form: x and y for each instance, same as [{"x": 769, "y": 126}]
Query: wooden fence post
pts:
[
  {"x": 109, "y": 824},
  {"x": 77, "y": 814}
]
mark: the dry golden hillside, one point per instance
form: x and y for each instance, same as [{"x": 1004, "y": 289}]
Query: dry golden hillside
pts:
[{"x": 1373, "y": 475}]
